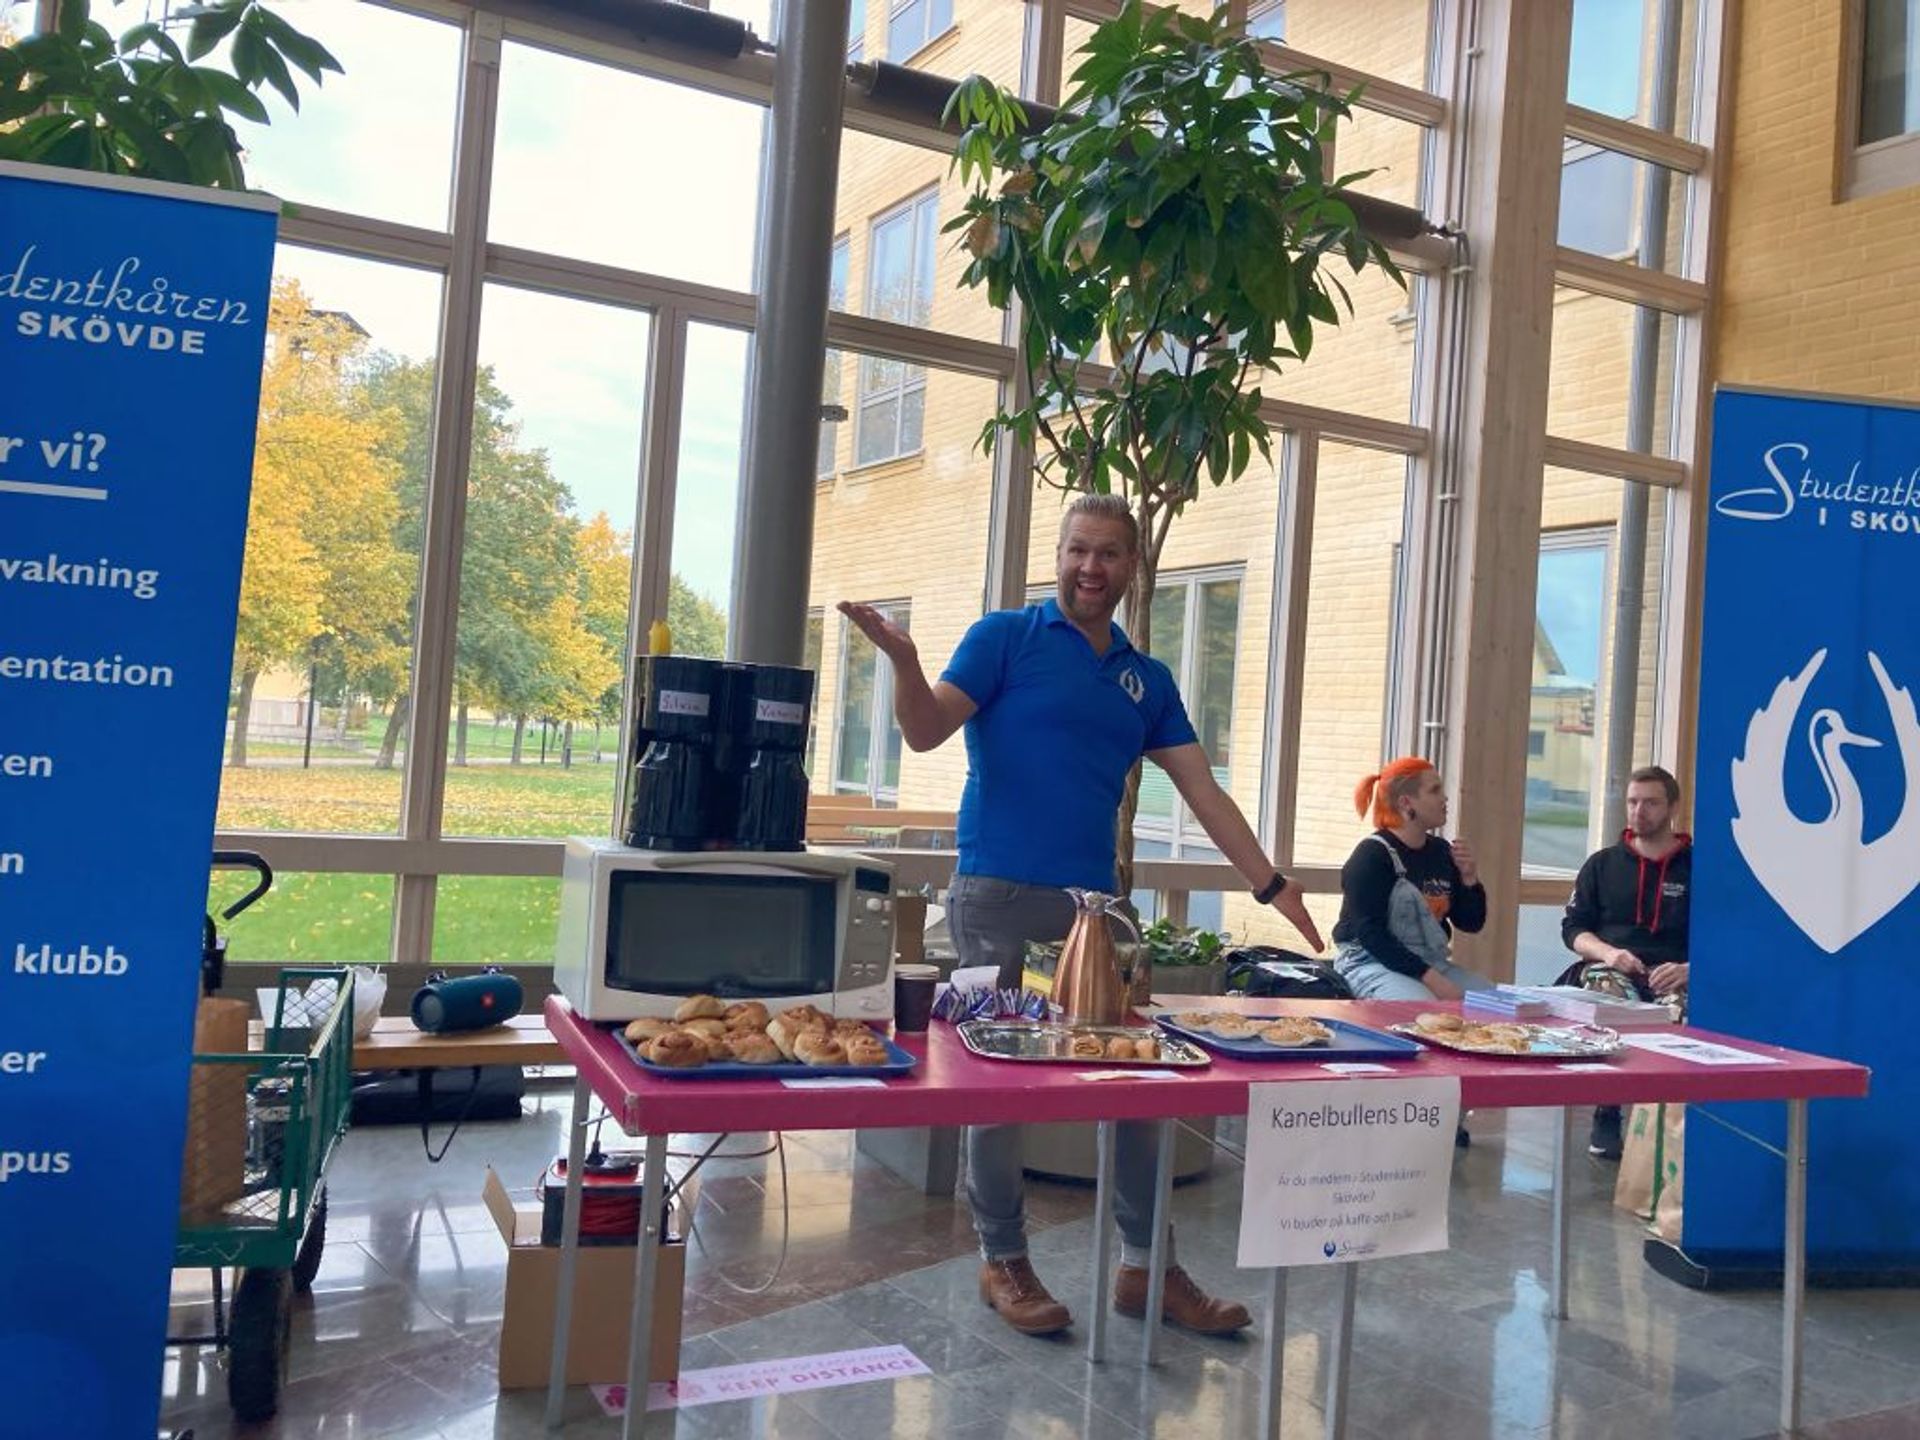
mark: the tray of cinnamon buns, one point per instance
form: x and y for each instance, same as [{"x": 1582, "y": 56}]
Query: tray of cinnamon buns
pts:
[
  {"x": 1285, "y": 1037},
  {"x": 711, "y": 1039},
  {"x": 1511, "y": 1040},
  {"x": 1060, "y": 1044}
]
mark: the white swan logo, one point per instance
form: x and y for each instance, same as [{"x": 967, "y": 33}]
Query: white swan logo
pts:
[{"x": 1829, "y": 879}]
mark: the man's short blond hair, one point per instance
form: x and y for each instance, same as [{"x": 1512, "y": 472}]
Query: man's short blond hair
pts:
[{"x": 1108, "y": 507}]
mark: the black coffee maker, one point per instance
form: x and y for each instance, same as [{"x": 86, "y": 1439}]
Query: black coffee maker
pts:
[
  {"x": 675, "y": 780},
  {"x": 766, "y": 745},
  {"x": 718, "y": 755}
]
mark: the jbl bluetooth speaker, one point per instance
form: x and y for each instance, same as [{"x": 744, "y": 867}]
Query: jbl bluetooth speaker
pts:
[{"x": 471, "y": 1002}]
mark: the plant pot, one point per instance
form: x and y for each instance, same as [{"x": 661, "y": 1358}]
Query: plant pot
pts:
[{"x": 1190, "y": 979}]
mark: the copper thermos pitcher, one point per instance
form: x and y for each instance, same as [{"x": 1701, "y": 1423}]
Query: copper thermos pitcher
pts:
[{"x": 1087, "y": 988}]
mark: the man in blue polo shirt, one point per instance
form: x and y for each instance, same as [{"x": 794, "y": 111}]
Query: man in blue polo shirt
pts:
[{"x": 1057, "y": 708}]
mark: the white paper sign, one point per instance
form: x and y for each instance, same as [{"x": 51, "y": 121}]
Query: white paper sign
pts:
[
  {"x": 1337, "y": 1171},
  {"x": 1699, "y": 1052}
]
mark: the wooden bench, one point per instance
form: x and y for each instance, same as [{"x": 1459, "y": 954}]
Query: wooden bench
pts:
[{"x": 855, "y": 820}]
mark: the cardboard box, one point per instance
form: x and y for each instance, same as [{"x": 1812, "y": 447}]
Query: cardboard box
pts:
[
  {"x": 214, "y": 1164},
  {"x": 602, "y": 1303}
]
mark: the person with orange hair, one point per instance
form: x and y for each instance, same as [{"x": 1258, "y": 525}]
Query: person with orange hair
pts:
[{"x": 1404, "y": 890}]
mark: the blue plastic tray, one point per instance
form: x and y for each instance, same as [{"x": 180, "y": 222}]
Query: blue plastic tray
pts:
[
  {"x": 899, "y": 1062},
  {"x": 1350, "y": 1042}
]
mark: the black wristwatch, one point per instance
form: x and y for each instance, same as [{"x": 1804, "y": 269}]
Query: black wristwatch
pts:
[{"x": 1266, "y": 893}]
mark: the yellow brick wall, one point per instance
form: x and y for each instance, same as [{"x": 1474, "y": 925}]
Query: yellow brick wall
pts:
[{"x": 1815, "y": 294}]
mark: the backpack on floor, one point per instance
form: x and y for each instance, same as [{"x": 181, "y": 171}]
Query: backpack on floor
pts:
[{"x": 1267, "y": 970}]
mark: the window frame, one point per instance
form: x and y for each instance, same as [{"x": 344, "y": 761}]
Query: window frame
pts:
[
  {"x": 881, "y": 720},
  {"x": 928, "y": 32},
  {"x": 1866, "y": 168},
  {"x": 1605, "y": 538},
  {"x": 913, "y": 378},
  {"x": 827, "y": 454}
]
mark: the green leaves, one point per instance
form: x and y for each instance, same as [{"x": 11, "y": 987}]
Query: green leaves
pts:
[
  {"x": 141, "y": 104},
  {"x": 1172, "y": 227}
]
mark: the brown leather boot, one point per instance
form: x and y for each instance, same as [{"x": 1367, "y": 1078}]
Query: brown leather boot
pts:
[
  {"x": 1012, "y": 1289},
  {"x": 1184, "y": 1304}
]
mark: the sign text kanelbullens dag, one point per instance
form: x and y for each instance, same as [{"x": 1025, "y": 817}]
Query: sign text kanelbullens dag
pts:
[{"x": 1354, "y": 1116}]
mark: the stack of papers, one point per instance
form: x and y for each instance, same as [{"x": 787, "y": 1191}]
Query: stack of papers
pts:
[
  {"x": 1589, "y": 1007},
  {"x": 1509, "y": 1002}
]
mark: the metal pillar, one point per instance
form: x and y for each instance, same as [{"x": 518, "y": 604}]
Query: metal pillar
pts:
[{"x": 773, "y": 545}]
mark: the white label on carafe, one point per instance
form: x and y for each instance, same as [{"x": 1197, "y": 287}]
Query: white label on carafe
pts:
[
  {"x": 684, "y": 702},
  {"x": 779, "y": 712}
]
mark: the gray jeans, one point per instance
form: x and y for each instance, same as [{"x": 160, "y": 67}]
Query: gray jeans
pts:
[{"x": 990, "y": 922}]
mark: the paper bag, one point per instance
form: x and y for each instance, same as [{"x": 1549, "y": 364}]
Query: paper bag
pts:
[
  {"x": 213, "y": 1166},
  {"x": 1633, "y": 1190},
  {"x": 1669, "y": 1155}
]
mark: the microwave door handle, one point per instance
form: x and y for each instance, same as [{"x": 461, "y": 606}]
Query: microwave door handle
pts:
[{"x": 830, "y": 866}]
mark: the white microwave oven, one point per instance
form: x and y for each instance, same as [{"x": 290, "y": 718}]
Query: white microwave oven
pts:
[{"x": 641, "y": 930}]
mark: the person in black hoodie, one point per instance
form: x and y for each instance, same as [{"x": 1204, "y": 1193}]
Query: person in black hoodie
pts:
[{"x": 1629, "y": 909}]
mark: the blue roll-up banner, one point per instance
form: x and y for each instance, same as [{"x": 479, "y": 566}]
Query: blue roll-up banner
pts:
[
  {"x": 132, "y": 325},
  {"x": 1806, "y": 920}
]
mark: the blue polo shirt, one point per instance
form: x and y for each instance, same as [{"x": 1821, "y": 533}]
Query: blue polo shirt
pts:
[{"x": 1049, "y": 747}]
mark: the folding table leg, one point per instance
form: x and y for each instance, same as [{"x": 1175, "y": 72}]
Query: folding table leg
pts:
[
  {"x": 1341, "y": 1358},
  {"x": 1793, "y": 1280},
  {"x": 569, "y": 1251},
  {"x": 1162, "y": 1224},
  {"x": 1276, "y": 1354},
  {"x": 653, "y": 1185},
  {"x": 1562, "y": 1209},
  {"x": 1102, "y": 1243}
]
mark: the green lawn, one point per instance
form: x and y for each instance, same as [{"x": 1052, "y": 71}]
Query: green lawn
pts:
[{"x": 323, "y": 918}]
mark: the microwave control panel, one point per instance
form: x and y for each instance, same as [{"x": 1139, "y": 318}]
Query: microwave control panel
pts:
[{"x": 868, "y": 956}]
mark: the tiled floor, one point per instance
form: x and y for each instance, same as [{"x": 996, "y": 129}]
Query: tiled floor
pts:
[{"x": 399, "y": 1336}]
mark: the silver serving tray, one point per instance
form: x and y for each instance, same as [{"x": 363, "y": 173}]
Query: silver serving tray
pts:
[
  {"x": 1546, "y": 1042},
  {"x": 1036, "y": 1043}
]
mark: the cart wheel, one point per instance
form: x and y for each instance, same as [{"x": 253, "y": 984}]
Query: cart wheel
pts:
[
  {"x": 306, "y": 1264},
  {"x": 261, "y": 1330}
]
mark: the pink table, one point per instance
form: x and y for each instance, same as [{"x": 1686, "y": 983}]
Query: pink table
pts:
[{"x": 952, "y": 1086}]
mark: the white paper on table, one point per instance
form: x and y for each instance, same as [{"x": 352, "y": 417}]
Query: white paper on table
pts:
[
  {"x": 835, "y": 1082},
  {"x": 1697, "y": 1052},
  {"x": 1356, "y": 1067},
  {"x": 1591, "y": 1067},
  {"x": 1127, "y": 1075},
  {"x": 1346, "y": 1172}
]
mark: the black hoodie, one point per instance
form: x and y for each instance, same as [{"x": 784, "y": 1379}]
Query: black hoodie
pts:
[{"x": 1633, "y": 902}]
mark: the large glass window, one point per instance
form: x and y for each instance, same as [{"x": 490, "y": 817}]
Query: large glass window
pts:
[
  {"x": 1591, "y": 387},
  {"x": 1604, "y": 199},
  {"x": 584, "y": 167},
  {"x": 867, "y": 751},
  {"x": 402, "y": 79},
  {"x": 816, "y": 635},
  {"x": 1890, "y": 70},
  {"x": 1269, "y": 21},
  {"x": 1564, "y": 715},
  {"x": 1196, "y": 634},
  {"x": 912, "y": 23},
  {"x": 546, "y": 569},
  {"x": 893, "y": 394},
  {"x": 324, "y": 646},
  {"x": 857, "y": 30},
  {"x": 706, "y": 495}
]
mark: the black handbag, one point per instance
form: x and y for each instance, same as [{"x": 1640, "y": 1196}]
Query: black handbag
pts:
[{"x": 1266, "y": 970}]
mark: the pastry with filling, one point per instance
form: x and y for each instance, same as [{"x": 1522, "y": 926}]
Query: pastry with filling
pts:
[
  {"x": 866, "y": 1049},
  {"x": 1438, "y": 1022},
  {"x": 678, "y": 1050},
  {"x": 1120, "y": 1047},
  {"x": 1232, "y": 1027},
  {"x": 700, "y": 1007},
  {"x": 709, "y": 1027},
  {"x": 785, "y": 1029},
  {"x": 1294, "y": 1031},
  {"x": 1087, "y": 1047},
  {"x": 750, "y": 1047},
  {"x": 1146, "y": 1048},
  {"x": 746, "y": 1015},
  {"x": 648, "y": 1027},
  {"x": 1194, "y": 1019},
  {"x": 816, "y": 1048}
]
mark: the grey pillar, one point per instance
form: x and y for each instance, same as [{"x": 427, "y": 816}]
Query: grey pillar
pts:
[{"x": 773, "y": 544}]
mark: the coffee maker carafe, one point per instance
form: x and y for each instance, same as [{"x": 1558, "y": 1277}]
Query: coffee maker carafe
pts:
[
  {"x": 769, "y": 708},
  {"x": 675, "y": 780}
]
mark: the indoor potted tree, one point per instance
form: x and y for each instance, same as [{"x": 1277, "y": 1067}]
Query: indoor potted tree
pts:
[{"x": 1167, "y": 239}]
